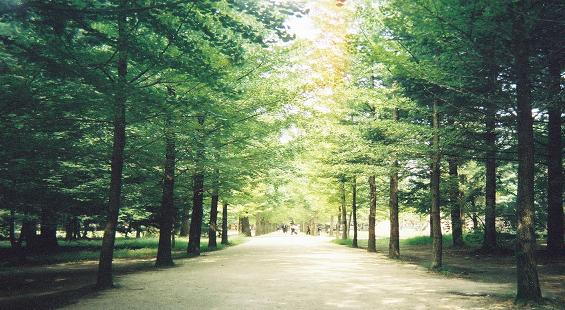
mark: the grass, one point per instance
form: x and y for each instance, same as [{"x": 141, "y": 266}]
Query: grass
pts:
[
  {"x": 470, "y": 239},
  {"x": 143, "y": 248}
]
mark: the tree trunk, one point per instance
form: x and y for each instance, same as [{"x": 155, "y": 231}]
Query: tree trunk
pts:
[
  {"x": 527, "y": 275},
  {"x": 167, "y": 214},
  {"x": 489, "y": 240},
  {"x": 29, "y": 233},
  {"x": 474, "y": 215},
  {"x": 225, "y": 223},
  {"x": 48, "y": 230},
  {"x": 338, "y": 226},
  {"x": 197, "y": 213},
  {"x": 435, "y": 190},
  {"x": 455, "y": 202},
  {"x": 394, "y": 237},
  {"x": 354, "y": 211},
  {"x": 555, "y": 242},
  {"x": 104, "y": 279},
  {"x": 13, "y": 242},
  {"x": 198, "y": 193},
  {"x": 69, "y": 228},
  {"x": 343, "y": 211},
  {"x": 213, "y": 227},
  {"x": 245, "y": 227},
  {"x": 185, "y": 220},
  {"x": 372, "y": 244}
]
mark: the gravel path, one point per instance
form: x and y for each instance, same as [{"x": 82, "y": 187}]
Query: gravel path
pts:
[{"x": 294, "y": 272}]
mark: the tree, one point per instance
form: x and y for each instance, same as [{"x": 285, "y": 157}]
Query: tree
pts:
[{"x": 527, "y": 280}]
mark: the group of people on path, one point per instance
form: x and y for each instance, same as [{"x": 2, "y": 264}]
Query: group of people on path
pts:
[{"x": 293, "y": 228}]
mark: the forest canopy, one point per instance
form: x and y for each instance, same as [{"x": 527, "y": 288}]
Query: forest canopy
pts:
[{"x": 157, "y": 117}]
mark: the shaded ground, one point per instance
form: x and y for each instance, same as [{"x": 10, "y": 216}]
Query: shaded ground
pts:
[
  {"x": 37, "y": 285},
  {"x": 296, "y": 272},
  {"x": 499, "y": 268},
  {"x": 472, "y": 263}
]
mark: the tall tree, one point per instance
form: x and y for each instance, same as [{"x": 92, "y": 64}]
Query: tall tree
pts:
[
  {"x": 343, "y": 210},
  {"x": 104, "y": 279},
  {"x": 555, "y": 227},
  {"x": 372, "y": 245},
  {"x": 167, "y": 212},
  {"x": 225, "y": 223},
  {"x": 213, "y": 225},
  {"x": 354, "y": 210},
  {"x": 527, "y": 275},
  {"x": 437, "y": 248},
  {"x": 394, "y": 237}
]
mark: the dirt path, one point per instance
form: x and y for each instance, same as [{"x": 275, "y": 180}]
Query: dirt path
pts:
[{"x": 295, "y": 272}]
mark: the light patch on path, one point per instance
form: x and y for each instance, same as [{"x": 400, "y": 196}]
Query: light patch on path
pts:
[{"x": 293, "y": 272}]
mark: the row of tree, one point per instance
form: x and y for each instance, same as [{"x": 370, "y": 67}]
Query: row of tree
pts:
[
  {"x": 163, "y": 103},
  {"x": 455, "y": 105}
]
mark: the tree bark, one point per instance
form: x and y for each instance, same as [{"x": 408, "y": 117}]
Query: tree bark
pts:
[
  {"x": 197, "y": 213},
  {"x": 185, "y": 220},
  {"x": 13, "y": 242},
  {"x": 197, "y": 193},
  {"x": 527, "y": 275},
  {"x": 372, "y": 244},
  {"x": 225, "y": 223},
  {"x": 489, "y": 240},
  {"x": 354, "y": 211},
  {"x": 167, "y": 214},
  {"x": 343, "y": 211},
  {"x": 213, "y": 224},
  {"x": 48, "y": 230},
  {"x": 104, "y": 279},
  {"x": 455, "y": 202},
  {"x": 555, "y": 242},
  {"x": 394, "y": 236},
  {"x": 245, "y": 227},
  {"x": 437, "y": 246}
]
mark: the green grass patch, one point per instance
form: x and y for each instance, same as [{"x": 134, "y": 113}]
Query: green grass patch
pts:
[
  {"x": 142, "y": 248},
  {"x": 470, "y": 239}
]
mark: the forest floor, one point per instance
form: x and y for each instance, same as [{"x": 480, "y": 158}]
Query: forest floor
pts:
[
  {"x": 470, "y": 262},
  {"x": 47, "y": 280},
  {"x": 279, "y": 271}
]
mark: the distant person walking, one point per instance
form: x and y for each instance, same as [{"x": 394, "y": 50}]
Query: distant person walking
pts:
[{"x": 293, "y": 229}]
